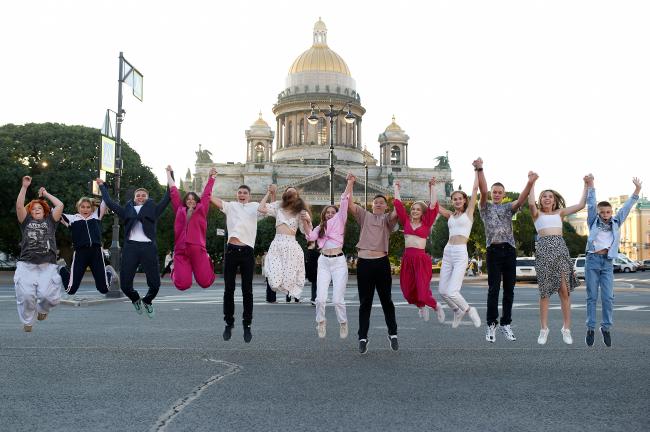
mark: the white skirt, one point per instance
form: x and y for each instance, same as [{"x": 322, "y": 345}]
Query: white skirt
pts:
[{"x": 284, "y": 265}]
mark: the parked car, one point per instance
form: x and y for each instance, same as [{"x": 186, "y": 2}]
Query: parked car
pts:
[
  {"x": 525, "y": 269},
  {"x": 579, "y": 267},
  {"x": 645, "y": 265},
  {"x": 624, "y": 266},
  {"x": 7, "y": 262}
]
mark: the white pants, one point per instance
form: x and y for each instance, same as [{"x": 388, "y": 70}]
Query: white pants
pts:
[
  {"x": 335, "y": 270},
  {"x": 38, "y": 289},
  {"x": 452, "y": 272}
]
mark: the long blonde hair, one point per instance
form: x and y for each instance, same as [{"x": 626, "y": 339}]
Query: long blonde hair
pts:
[{"x": 558, "y": 200}]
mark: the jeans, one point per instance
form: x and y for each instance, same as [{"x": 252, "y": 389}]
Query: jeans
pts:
[
  {"x": 501, "y": 263},
  {"x": 599, "y": 273},
  {"x": 242, "y": 257}
]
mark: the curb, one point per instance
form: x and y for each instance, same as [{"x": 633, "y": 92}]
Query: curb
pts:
[{"x": 90, "y": 301}]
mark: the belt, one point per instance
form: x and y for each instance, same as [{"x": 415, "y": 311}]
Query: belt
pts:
[{"x": 333, "y": 256}]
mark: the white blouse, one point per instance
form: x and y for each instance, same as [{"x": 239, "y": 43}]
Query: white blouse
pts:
[{"x": 282, "y": 217}]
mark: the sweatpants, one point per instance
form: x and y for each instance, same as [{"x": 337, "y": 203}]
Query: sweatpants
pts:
[
  {"x": 134, "y": 254},
  {"x": 452, "y": 273},
  {"x": 334, "y": 269},
  {"x": 374, "y": 274},
  {"x": 83, "y": 258},
  {"x": 38, "y": 289},
  {"x": 192, "y": 259},
  {"x": 241, "y": 257},
  {"x": 415, "y": 278}
]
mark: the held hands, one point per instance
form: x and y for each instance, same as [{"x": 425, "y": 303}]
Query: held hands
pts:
[
  {"x": 589, "y": 180},
  {"x": 532, "y": 176},
  {"x": 478, "y": 164},
  {"x": 397, "y": 184},
  {"x": 27, "y": 180},
  {"x": 213, "y": 172},
  {"x": 272, "y": 189},
  {"x": 169, "y": 169},
  {"x": 351, "y": 178},
  {"x": 304, "y": 216},
  {"x": 42, "y": 192},
  {"x": 99, "y": 181},
  {"x": 432, "y": 182}
]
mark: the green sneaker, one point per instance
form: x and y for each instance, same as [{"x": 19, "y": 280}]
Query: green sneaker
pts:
[
  {"x": 148, "y": 308},
  {"x": 138, "y": 306}
]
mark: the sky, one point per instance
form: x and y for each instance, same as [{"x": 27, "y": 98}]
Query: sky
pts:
[{"x": 558, "y": 87}]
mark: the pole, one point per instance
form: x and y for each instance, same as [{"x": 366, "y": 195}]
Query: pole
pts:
[
  {"x": 331, "y": 115},
  {"x": 116, "y": 253},
  {"x": 365, "y": 186}
]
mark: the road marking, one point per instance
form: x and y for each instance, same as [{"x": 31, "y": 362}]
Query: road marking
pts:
[
  {"x": 165, "y": 419},
  {"x": 629, "y": 308}
]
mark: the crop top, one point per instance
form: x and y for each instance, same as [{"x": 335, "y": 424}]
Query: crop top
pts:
[
  {"x": 428, "y": 219},
  {"x": 281, "y": 217},
  {"x": 460, "y": 225},
  {"x": 545, "y": 221}
]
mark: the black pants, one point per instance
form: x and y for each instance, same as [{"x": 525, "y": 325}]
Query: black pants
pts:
[
  {"x": 83, "y": 258},
  {"x": 134, "y": 254},
  {"x": 270, "y": 294},
  {"x": 501, "y": 264},
  {"x": 374, "y": 274},
  {"x": 241, "y": 257}
]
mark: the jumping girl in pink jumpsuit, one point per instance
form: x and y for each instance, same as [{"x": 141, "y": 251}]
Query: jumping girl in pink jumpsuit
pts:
[{"x": 190, "y": 255}]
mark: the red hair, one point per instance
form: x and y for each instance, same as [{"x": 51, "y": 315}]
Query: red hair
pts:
[{"x": 46, "y": 207}]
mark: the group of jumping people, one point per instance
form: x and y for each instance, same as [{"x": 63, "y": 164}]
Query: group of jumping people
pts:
[{"x": 38, "y": 282}]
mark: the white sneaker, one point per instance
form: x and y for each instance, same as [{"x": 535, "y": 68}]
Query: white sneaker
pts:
[
  {"x": 343, "y": 332},
  {"x": 440, "y": 313},
  {"x": 508, "y": 333},
  {"x": 458, "y": 316},
  {"x": 543, "y": 335},
  {"x": 473, "y": 315},
  {"x": 491, "y": 333},
  {"x": 566, "y": 336},
  {"x": 424, "y": 313},
  {"x": 322, "y": 329}
]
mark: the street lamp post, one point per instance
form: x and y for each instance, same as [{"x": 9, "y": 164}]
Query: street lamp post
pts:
[
  {"x": 365, "y": 185},
  {"x": 331, "y": 114}
]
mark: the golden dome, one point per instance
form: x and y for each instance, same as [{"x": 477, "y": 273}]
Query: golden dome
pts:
[
  {"x": 319, "y": 58},
  {"x": 260, "y": 121},
  {"x": 394, "y": 127}
]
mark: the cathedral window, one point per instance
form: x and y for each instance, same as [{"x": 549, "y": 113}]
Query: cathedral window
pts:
[
  {"x": 395, "y": 155},
  {"x": 259, "y": 153},
  {"x": 322, "y": 131},
  {"x": 290, "y": 133},
  {"x": 301, "y": 132}
]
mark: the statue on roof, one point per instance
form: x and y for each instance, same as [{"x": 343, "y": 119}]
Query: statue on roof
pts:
[
  {"x": 203, "y": 156},
  {"x": 443, "y": 161}
]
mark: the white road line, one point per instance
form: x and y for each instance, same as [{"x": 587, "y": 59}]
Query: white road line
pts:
[
  {"x": 629, "y": 308},
  {"x": 165, "y": 419}
]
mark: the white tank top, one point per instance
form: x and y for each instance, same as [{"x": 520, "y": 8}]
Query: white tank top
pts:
[
  {"x": 545, "y": 221},
  {"x": 460, "y": 225}
]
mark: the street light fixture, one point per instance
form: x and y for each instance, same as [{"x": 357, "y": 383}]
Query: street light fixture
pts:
[{"x": 331, "y": 114}]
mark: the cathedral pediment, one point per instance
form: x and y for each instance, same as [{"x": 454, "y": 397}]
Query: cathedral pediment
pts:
[{"x": 319, "y": 185}]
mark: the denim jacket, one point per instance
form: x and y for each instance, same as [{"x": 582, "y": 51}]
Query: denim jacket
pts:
[{"x": 617, "y": 221}]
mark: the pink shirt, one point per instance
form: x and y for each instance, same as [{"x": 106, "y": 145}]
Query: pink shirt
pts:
[
  {"x": 335, "y": 226},
  {"x": 428, "y": 219},
  {"x": 192, "y": 231}
]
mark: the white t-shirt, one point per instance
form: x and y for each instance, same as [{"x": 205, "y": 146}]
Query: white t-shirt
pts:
[
  {"x": 604, "y": 240},
  {"x": 241, "y": 221},
  {"x": 137, "y": 233}
]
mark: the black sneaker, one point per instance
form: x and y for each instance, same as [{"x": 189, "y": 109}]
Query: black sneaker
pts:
[
  {"x": 363, "y": 346},
  {"x": 589, "y": 339},
  {"x": 393, "y": 342},
  {"x": 247, "y": 333},
  {"x": 227, "y": 333},
  {"x": 288, "y": 298},
  {"x": 607, "y": 338}
]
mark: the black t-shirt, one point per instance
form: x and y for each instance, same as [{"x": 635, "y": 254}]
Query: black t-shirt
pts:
[{"x": 38, "y": 245}]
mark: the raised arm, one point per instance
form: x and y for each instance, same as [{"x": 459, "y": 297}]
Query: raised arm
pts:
[
  {"x": 433, "y": 196},
  {"x": 269, "y": 190},
  {"x": 534, "y": 212},
  {"x": 305, "y": 222},
  {"x": 102, "y": 210},
  {"x": 115, "y": 207},
  {"x": 346, "y": 197},
  {"x": 577, "y": 207},
  {"x": 592, "y": 210},
  {"x": 21, "y": 212},
  {"x": 174, "y": 195},
  {"x": 57, "y": 211},
  {"x": 621, "y": 215},
  {"x": 523, "y": 196},
  {"x": 207, "y": 191},
  {"x": 472, "y": 201},
  {"x": 164, "y": 202},
  {"x": 482, "y": 183}
]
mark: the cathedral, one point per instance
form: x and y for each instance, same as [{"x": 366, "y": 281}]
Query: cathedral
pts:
[{"x": 303, "y": 134}]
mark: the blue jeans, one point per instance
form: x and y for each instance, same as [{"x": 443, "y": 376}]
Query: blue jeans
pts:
[{"x": 599, "y": 273}]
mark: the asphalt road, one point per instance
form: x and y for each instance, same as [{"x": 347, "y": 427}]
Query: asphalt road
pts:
[{"x": 103, "y": 367}]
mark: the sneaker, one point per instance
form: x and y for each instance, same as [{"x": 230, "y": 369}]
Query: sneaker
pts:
[
  {"x": 473, "y": 315},
  {"x": 148, "y": 308},
  {"x": 543, "y": 335},
  {"x": 566, "y": 336},
  {"x": 392, "y": 339},
  {"x": 27, "y": 328},
  {"x": 343, "y": 331},
  {"x": 247, "y": 334},
  {"x": 288, "y": 298},
  {"x": 296, "y": 299},
  {"x": 138, "y": 306},
  {"x": 589, "y": 339},
  {"x": 363, "y": 346},
  {"x": 440, "y": 313},
  {"x": 41, "y": 316},
  {"x": 312, "y": 302},
  {"x": 508, "y": 333},
  {"x": 490, "y": 333},
  {"x": 227, "y": 333},
  {"x": 322, "y": 329},
  {"x": 424, "y": 313},
  {"x": 607, "y": 337},
  {"x": 458, "y": 316}
]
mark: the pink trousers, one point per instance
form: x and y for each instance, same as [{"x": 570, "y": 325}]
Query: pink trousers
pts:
[
  {"x": 192, "y": 259},
  {"x": 415, "y": 278}
]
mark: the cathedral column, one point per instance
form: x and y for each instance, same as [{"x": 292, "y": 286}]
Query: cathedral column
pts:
[{"x": 278, "y": 144}]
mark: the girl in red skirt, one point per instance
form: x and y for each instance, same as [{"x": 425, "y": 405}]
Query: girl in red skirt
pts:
[{"x": 415, "y": 272}]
